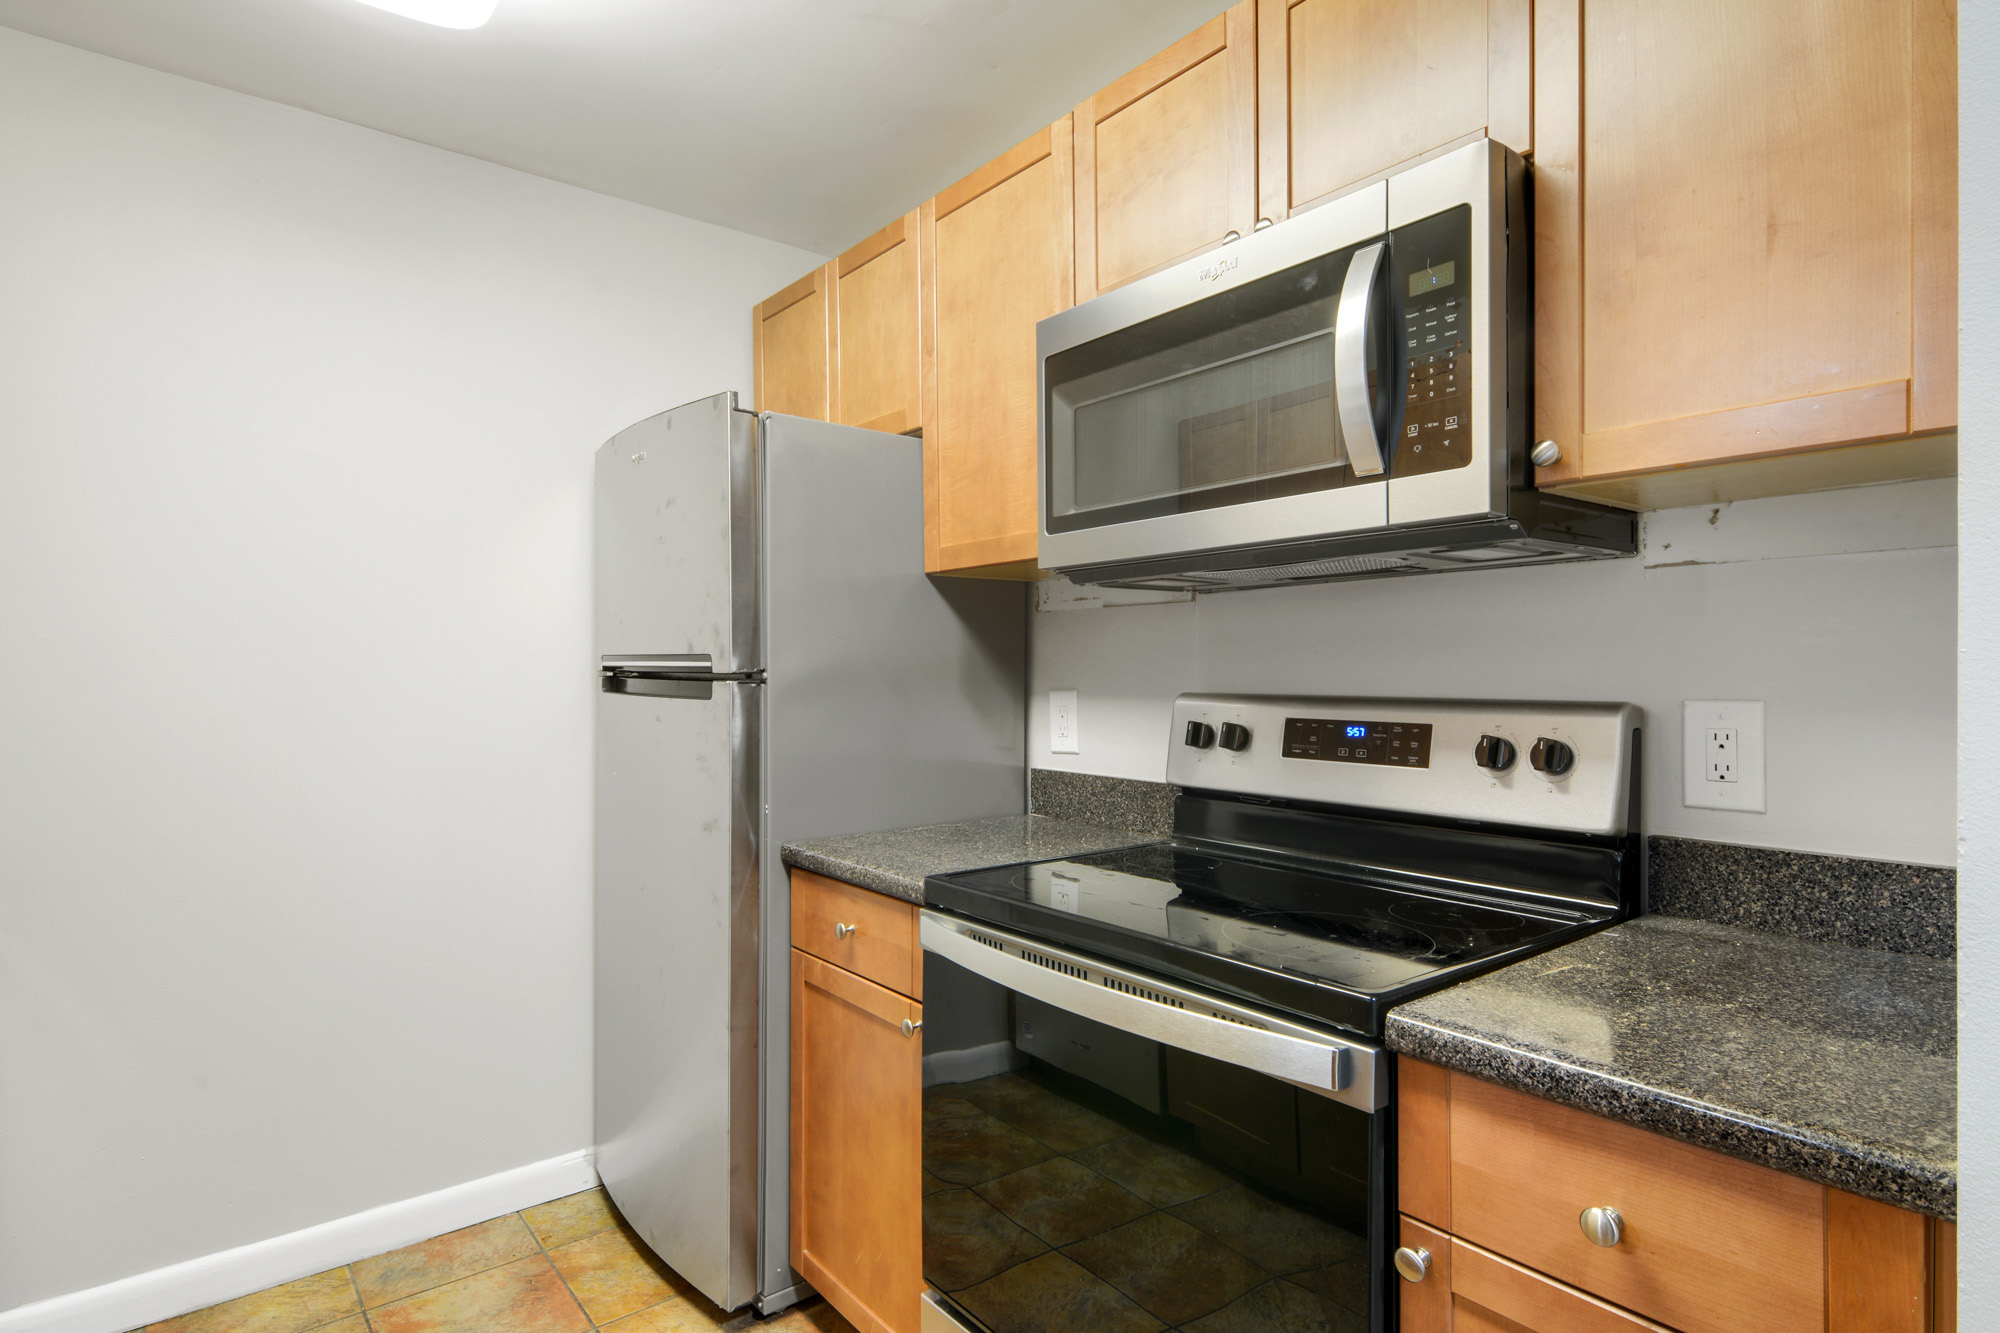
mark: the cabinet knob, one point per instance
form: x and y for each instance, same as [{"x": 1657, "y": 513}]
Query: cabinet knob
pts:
[
  {"x": 1232, "y": 236},
  {"x": 1413, "y": 1264},
  {"x": 842, "y": 931},
  {"x": 911, "y": 1029},
  {"x": 1261, "y": 224},
  {"x": 1601, "y": 1226},
  {"x": 1546, "y": 454}
]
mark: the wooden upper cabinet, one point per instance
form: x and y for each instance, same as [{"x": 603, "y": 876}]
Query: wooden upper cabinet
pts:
[
  {"x": 1349, "y": 89},
  {"x": 1166, "y": 158},
  {"x": 997, "y": 248},
  {"x": 877, "y": 378},
  {"x": 1746, "y": 241},
  {"x": 792, "y": 345}
]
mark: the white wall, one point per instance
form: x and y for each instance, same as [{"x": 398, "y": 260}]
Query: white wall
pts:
[
  {"x": 1846, "y": 650},
  {"x": 1979, "y": 674},
  {"x": 296, "y": 423}
]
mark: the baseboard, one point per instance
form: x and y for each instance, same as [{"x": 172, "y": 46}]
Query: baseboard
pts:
[
  {"x": 199, "y": 1283},
  {"x": 995, "y": 1057}
]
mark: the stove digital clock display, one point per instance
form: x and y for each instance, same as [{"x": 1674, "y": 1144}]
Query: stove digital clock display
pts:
[{"x": 1397, "y": 744}]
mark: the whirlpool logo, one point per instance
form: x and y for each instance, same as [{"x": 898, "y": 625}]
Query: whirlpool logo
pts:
[{"x": 1216, "y": 270}]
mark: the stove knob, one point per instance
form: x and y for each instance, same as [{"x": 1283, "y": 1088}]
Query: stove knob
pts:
[
  {"x": 1235, "y": 736},
  {"x": 1551, "y": 757},
  {"x": 1200, "y": 735},
  {"x": 1494, "y": 753}
]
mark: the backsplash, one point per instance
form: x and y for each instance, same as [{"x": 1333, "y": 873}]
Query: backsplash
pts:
[
  {"x": 1130, "y": 805},
  {"x": 1839, "y": 899},
  {"x": 1887, "y": 905}
]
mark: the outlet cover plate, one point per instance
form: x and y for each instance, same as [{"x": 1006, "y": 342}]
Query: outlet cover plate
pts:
[
  {"x": 1746, "y": 718},
  {"x": 1062, "y": 722}
]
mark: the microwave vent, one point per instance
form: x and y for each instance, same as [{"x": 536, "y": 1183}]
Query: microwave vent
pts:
[{"x": 1343, "y": 567}]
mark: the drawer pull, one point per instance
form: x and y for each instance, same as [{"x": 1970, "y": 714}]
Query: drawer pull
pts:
[
  {"x": 911, "y": 1029},
  {"x": 1413, "y": 1264},
  {"x": 843, "y": 931},
  {"x": 1602, "y": 1226}
]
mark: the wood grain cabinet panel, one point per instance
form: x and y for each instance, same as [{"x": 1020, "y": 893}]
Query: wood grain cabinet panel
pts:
[
  {"x": 857, "y": 1143},
  {"x": 1350, "y": 89},
  {"x": 877, "y": 288},
  {"x": 998, "y": 251},
  {"x": 864, "y": 932},
  {"x": 792, "y": 342},
  {"x": 1744, "y": 247},
  {"x": 1166, "y": 157}
]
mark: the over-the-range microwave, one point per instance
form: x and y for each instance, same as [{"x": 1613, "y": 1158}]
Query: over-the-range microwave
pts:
[{"x": 1342, "y": 395}]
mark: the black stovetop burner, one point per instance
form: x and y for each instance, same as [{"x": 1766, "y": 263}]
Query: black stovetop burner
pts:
[{"x": 1323, "y": 938}]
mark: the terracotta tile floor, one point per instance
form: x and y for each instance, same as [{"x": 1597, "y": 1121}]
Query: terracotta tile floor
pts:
[{"x": 570, "y": 1266}]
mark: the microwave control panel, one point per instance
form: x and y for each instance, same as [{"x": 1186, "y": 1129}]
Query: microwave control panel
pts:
[{"x": 1432, "y": 274}]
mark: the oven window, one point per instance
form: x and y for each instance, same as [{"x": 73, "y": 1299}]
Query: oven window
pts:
[
  {"x": 1224, "y": 401},
  {"x": 1080, "y": 1177}
]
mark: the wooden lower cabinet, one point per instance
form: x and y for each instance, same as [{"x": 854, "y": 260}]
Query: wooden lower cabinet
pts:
[
  {"x": 1492, "y": 1184},
  {"x": 857, "y": 1143}
]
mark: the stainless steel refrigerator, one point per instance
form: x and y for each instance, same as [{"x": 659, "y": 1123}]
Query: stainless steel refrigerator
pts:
[{"x": 773, "y": 665}]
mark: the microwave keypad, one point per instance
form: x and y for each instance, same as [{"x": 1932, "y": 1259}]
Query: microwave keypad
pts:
[
  {"x": 1343, "y": 741},
  {"x": 1437, "y": 418}
]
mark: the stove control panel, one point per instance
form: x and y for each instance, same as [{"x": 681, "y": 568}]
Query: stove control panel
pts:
[{"x": 1551, "y": 765}]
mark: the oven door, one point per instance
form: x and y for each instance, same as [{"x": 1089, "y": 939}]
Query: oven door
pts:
[{"x": 1105, "y": 1149}]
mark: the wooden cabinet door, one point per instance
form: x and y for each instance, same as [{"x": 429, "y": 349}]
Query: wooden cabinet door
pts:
[
  {"x": 857, "y": 1145},
  {"x": 1348, "y": 89},
  {"x": 792, "y": 342},
  {"x": 1491, "y": 1295},
  {"x": 1166, "y": 158},
  {"x": 998, "y": 249},
  {"x": 877, "y": 377},
  {"x": 1745, "y": 232}
]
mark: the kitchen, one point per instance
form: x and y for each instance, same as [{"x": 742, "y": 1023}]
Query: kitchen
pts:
[{"x": 362, "y": 916}]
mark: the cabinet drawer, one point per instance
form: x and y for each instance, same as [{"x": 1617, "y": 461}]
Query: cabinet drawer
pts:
[
  {"x": 1709, "y": 1244},
  {"x": 865, "y": 932}
]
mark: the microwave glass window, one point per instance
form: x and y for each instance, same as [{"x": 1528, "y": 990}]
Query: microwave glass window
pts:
[{"x": 1223, "y": 401}]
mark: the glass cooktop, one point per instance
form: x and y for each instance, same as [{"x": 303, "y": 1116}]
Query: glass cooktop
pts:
[{"x": 1323, "y": 940}]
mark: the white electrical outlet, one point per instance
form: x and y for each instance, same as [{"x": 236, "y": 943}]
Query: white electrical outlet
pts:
[
  {"x": 1062, "y": 722},
  {"x": 1719, "y": 749},
  {"x": 1722, "y": 754}
]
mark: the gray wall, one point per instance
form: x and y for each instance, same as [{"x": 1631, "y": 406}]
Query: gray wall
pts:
[
  {"x": 1979, "y": 674},
  {"x": 296, "y": 424}
]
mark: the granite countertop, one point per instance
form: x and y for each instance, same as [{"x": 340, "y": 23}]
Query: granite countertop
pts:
[
  {"x": 1824, "y": 1061},
  {"x": 897, "y": 861}
]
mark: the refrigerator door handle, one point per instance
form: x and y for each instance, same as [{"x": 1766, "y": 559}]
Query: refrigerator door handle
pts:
[{"x": 670, "y": 666}]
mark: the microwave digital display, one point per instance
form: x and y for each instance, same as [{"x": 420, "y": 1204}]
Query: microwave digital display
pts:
[{"x": 1429, "y": 279}]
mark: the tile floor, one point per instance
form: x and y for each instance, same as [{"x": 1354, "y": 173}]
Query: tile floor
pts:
[
  {"x": 570, "y": 1266},
  {"x": 1042, "y": 1213}
]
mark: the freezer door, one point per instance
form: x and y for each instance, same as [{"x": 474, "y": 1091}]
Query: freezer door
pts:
[
  {"x": 677, "y": 976},
  {"x": 677, "y": 539}
]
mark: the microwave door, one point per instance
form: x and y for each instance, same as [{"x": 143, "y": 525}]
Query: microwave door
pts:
[
  {"x": 1464, "y": 331},
  {"x": 1200, "y": 409}
]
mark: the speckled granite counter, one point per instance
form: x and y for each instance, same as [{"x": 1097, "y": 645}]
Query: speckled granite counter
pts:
[
  {"x": 897, "y": 861},
  {"x": 1832, "y": 1063}
]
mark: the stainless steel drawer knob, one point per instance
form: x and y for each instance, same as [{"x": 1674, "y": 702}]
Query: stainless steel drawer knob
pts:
[
  {"x": 1602, "y": 1226},
  {"x": 912, "y": 1028},
  {"x": 1413, "y": 1264},
  {"x": 1546, "y": 454},
  {"x": 842, "y": 931}
]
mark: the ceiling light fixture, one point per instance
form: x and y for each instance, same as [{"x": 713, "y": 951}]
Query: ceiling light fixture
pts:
[{"x": 443, "y": 13}]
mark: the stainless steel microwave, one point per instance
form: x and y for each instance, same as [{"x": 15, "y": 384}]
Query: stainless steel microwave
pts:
[{"x": 1342, "y": 395}]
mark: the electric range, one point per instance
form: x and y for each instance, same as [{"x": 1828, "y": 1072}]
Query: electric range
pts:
[{"x": 1155, "y": 1074}]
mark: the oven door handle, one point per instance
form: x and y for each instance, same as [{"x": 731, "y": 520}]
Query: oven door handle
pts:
[
  {"x": 1158, "y": 1010},
  {"x": 1350, "y": 362}
]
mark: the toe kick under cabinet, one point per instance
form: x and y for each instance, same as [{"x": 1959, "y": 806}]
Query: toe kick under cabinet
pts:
[
  {"x": 1494, "y": 1187},
  {"x": 857, "y": 1101}
]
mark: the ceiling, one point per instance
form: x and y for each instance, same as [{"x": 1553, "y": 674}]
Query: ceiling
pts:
[{"x": 808, "y": 121}]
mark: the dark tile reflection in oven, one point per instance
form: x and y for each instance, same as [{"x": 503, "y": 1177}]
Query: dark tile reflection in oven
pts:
[
  {"x": 1063, "y": 1201},
  {"x": 967, "y": 1240},
  {"x": 1150, "y": 1233}
]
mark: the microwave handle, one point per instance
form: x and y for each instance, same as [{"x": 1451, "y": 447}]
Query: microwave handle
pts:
[{"x": 1350, "y": 362}]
